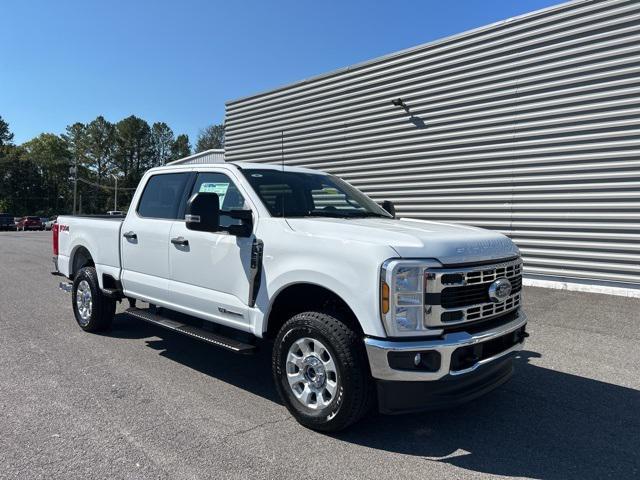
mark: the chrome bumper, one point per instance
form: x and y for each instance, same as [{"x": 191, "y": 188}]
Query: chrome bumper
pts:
[{"x": 378, "y": 350}]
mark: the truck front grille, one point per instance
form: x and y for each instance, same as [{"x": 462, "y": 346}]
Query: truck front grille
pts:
[
  {"x": 473, "y": 294},
  {"x": 459, "y": 295}
]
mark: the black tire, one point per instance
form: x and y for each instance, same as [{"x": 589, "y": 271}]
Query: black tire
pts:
[
  {"x": 354, "y": 393},
  {"x": 103, "y": 308}
]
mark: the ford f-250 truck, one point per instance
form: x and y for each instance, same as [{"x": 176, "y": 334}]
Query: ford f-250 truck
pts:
[{"x": 363, "y": 309}]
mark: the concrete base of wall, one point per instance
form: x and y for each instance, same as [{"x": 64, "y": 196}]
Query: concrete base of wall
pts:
[{"x": 582, "y": 287}]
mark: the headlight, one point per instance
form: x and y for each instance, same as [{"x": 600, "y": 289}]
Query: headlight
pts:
[{"x": 402, "y": 289}]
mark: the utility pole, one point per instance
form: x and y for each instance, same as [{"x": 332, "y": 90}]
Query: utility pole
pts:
[
  {"x": 115, "y": 197},
  {"x": 74, "y": 170}
]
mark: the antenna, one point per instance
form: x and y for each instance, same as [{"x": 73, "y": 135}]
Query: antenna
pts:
[{"x": 282, "y": 164}]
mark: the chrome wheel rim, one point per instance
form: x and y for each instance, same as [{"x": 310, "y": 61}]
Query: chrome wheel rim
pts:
[
  {"x": 84, "y": 302},
  {"x": 311, "y": 373}
]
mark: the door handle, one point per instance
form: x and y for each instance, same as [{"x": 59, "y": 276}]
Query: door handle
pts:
[
  {"x": 130, "y": 235},
  {"x": 180, "y": 241}
]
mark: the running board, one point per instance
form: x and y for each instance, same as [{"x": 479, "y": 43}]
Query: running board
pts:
[{"x": 211, "y": 338}]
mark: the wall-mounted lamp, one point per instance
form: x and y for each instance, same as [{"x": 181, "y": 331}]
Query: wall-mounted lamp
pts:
[{"x": 398, "y": 103}]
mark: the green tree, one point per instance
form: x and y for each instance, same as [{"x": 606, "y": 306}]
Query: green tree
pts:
[
  {"x": 161, "y": 140},
  {"x": 21, "y": 183},
  {"x": 5, "y": 135},
  {"x": 52, "y": 159},
  {"x": 77, "y": 142},
  {"x": 210, "y": 137},
  {"x": 100, "y": 138},
  {"x": 36, "y": 178},
  {"x": 134, "y": 152},
  {"x": 180, "y": 147}
]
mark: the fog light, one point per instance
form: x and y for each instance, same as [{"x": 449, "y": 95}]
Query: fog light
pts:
[{"x": 426, "y": 361}]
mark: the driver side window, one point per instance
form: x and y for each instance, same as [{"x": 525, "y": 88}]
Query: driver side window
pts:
[{"x": 228, "y": 194}]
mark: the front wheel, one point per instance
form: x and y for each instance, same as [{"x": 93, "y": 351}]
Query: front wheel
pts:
[
  {"x": 93, "y": 311},
  {"x": 321, "y": 373}
]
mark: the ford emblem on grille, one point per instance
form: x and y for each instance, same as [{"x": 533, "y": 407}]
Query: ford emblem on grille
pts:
[{"x": 500, "y": 290}]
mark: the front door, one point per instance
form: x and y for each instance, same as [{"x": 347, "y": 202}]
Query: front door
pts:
[
  {"x": 145, "y": 237},
  {"x": 210, "y": 275}
]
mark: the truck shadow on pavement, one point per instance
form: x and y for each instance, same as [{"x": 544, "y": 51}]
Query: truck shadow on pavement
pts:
[
  {"x": 542, "y": 424},
  {"x": 248, "y": 372}
]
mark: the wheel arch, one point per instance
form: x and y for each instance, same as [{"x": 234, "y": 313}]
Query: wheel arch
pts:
[
  {"x": 80, "y": 257},
  {"x": 300, "y": 297}
]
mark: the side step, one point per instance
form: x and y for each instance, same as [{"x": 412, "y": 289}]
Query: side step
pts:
[{"x": 227, "y": 343}]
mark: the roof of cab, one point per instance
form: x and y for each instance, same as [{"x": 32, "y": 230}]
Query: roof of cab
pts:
[{"x": 241, "y": 165}]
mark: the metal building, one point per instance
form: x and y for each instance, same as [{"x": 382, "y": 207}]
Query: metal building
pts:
[
  {"x": 529, "y": 126},
  {"x": 208, "y": 156}
]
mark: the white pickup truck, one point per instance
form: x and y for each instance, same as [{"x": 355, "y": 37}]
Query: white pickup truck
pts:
[{"x": 362, "y": 309}]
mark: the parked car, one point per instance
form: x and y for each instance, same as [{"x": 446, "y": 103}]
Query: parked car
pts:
[
  {"x": 357, "y": 303},
  {"x": 29, "y": 223},
  {"x": 6, "y": 222},
  {"x": 48, "y": 224}
]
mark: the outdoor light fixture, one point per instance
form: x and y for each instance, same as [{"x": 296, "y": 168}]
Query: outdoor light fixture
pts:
[{"x": 398, "y": 103}]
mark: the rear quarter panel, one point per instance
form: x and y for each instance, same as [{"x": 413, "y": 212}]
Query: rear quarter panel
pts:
[{"x": 100, "y": 236}]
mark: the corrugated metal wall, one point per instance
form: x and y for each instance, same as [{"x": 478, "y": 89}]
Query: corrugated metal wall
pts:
[
  {"x": 529, "y": 126},
  {"x": 208, "y": 156}
]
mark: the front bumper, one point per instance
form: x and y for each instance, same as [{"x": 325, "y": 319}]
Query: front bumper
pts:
[
  {"x": 378, "y": 351},
  {"x": 449, "y": 391},
  {"x": 470, "y": 365}
]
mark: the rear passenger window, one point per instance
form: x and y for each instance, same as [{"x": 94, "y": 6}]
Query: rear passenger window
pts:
[{"x": 162, "y": 196}]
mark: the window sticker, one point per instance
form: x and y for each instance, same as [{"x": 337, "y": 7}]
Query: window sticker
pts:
[{"x": 219, "y": 188}]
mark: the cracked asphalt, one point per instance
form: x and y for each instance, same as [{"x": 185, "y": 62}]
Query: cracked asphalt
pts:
[{"x": 141, "y": 402}]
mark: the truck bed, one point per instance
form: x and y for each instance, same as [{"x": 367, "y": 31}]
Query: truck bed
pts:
[{"x": 99, "y": 234}]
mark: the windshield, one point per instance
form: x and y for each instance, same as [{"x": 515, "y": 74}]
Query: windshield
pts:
[{"x": 301, "y": 194}]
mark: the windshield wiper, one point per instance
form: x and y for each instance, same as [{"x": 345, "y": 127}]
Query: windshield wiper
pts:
[
  {"x": 337, "y": 214},
  {"x": 368, "y": 214},
  {"x": 330, "y": 214}
]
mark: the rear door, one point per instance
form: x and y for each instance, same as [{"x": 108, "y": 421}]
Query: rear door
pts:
[
  {"x": 210, "y": 276},
  {"x": 145, "y": 236}
]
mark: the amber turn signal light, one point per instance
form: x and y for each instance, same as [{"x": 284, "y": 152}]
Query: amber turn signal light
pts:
[{"x": 384, "y": 297}]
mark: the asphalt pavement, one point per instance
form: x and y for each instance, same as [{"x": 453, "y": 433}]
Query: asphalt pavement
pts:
[{"x": 141, "y": 402}]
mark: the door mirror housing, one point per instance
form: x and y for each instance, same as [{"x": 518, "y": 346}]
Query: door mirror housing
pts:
[
  {"x": 203, "y": 212},
  {"x": 246, "y": 228},
  {"x": 389, "y": 207}
]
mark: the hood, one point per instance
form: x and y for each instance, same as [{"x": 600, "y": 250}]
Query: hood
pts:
[{"x": 447, "y": 243}]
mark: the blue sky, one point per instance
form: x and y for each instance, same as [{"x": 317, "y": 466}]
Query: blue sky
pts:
[{"x": 66, "y": 61}]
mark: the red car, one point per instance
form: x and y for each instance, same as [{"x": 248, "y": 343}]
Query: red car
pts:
[{"x": 29, "y": 223}]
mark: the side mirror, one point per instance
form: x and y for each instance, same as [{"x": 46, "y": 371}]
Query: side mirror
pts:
[
  {"x": 203, "y": 212},
  {"x": 389, "y": 207},
  {"x": 244, "y": 230}
]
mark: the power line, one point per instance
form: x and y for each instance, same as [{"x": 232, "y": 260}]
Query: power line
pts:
[{"x": 106, "y": 187}]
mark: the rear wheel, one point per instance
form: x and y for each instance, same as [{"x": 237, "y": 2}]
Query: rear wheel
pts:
[
  {"x": 93, "y": 311},
  {"x": 321, "y": 372}
]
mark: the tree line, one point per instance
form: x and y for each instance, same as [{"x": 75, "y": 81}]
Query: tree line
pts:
[{"x": 37, "y": 177}]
